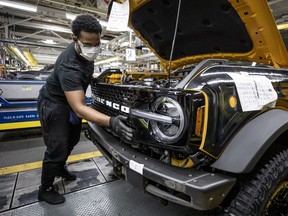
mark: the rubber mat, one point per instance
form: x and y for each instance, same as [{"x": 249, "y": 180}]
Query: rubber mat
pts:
[
  {"x": 114, "y": 198},
  {"x": 20, "y": 189},
  {"x": 7, "y": 184}
]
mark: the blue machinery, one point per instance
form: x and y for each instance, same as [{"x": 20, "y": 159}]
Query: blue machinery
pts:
[{"x": 18, "y": 103}]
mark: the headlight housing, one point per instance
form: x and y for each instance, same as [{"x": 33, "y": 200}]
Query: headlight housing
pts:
[{"x": 167, "y": 132}]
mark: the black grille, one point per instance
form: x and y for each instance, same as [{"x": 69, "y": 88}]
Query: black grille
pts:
[{"x": 116, "y": 94}]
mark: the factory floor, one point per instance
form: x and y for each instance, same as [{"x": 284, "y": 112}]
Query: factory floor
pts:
[{"x": 96, "y": 191}]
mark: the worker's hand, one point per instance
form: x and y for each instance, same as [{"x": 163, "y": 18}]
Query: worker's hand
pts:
[{"x": 118, "y": 126}]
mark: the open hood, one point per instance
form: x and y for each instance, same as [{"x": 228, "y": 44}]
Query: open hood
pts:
[{"x": 230, "y": 29}]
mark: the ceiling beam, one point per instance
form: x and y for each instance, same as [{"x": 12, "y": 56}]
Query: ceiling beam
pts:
[
  {"x": 31, "y": 43},
  {"x": 43, "y": 12},
  {"x": 20, "y": 21},
  {"x": 29, "y": 35},
  {"x": 35, "y": 36},
  {"x": 116, "y": 39},
  {"x": 51, "y": 27},
  {"x": 59, "y": 36},
  {"x": 101, "y": 13}
]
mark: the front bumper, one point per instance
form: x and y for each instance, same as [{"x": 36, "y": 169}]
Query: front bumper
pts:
[{"x": 205, "y": 190}]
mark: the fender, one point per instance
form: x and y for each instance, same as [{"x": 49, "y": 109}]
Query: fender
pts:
[{"x": 248, "y": 146}]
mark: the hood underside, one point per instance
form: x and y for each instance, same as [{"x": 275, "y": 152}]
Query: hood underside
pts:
[{"x": 234, "y": 29}]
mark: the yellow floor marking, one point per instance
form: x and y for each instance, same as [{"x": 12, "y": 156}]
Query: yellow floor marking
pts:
[
  {"x": 21, "y": 125},
  {"x": 83, "y": 156},
  {"x": 38, "y": 164}
]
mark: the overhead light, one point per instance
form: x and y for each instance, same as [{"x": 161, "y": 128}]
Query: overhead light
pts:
[
  {"x": 48, "y": 41},
  {"x": 18, "y": 5},
  {"x": 282, "y": 26},
  {"x": 71, "y": 17}
]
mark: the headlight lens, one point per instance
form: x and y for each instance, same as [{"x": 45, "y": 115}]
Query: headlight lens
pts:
[{"x": 163, "y": 131}]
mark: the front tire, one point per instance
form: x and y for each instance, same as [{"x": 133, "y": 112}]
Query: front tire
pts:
[{"x": 265, "y": 190}]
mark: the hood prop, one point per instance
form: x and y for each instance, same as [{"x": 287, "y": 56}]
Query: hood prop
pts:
[{"x": 173, "y": 43}]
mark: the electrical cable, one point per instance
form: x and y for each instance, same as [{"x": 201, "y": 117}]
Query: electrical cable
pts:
[{"x": 173, "y": 42}]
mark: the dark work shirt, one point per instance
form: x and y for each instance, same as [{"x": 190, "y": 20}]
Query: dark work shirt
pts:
[{"x": 71, "y": 73}]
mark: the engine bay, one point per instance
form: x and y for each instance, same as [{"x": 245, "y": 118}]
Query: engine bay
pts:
[{"x": 147, "y": 79}]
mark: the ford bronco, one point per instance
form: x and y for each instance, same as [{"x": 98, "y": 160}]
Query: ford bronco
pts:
[{"x": 213, "y": 133}]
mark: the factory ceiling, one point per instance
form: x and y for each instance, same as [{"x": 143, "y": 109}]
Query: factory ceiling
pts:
[{"x": 47, "y": 32}]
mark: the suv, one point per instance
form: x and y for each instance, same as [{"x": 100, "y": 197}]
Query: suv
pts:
[{"x": 212, "y": 135}]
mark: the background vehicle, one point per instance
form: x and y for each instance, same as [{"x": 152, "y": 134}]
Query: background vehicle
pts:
[
  {"x": 18, "y": 98},
  {"x": 214, "y": 134}
]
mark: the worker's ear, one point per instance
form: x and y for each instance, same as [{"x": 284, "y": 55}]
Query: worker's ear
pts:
[
  {"x": 77, "y": 47},
  {"x": 75, "y": 39}
]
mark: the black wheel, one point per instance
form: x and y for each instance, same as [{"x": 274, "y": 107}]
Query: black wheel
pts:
[{"x": 265, "y": 191}]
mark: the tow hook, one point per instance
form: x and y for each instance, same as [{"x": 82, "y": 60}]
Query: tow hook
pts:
[{"x": 117, "y": 168}]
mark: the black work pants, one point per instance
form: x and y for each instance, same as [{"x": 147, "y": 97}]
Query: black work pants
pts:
[{"x": 60, "y": 137}]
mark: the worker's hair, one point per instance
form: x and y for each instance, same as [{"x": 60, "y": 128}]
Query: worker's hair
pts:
[{"x": 86, "y": 23}]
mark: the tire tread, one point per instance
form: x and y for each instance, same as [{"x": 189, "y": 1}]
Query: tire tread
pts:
[{"x": 254, "y": 191}]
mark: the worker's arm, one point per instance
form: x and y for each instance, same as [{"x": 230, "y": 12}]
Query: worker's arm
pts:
[{"x": 77, "y": 101}]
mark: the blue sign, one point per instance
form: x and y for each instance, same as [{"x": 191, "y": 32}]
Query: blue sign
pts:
[{"x": 18, "y": 116}]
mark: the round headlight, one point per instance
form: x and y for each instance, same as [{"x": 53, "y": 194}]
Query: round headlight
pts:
[{"x": 167, "y": 132}]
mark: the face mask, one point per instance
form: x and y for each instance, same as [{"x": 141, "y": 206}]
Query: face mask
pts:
[{"x": 89, "y": 53}]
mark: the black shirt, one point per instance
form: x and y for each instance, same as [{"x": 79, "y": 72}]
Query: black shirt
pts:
[{"x": 71, "y": 72}]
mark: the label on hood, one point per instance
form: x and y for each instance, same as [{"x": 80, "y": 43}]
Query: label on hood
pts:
[{"x": 254, "y": 92}]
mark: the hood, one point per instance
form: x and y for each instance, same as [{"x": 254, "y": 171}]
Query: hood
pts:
[{"x": 236, "y": 29}]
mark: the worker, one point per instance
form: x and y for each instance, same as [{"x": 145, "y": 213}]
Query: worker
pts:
[{"x": 62, "y": 105}]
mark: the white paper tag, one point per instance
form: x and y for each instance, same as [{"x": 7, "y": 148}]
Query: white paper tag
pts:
[
  {"x": 130, "y": 54},
  {"x": 118, "y": 18},
  {"x": 136, "y": 166},
  {"x": 254, "y": 91}
]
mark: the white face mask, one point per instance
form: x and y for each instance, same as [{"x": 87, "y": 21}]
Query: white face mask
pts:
[{"x": 89, "y": 53}]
